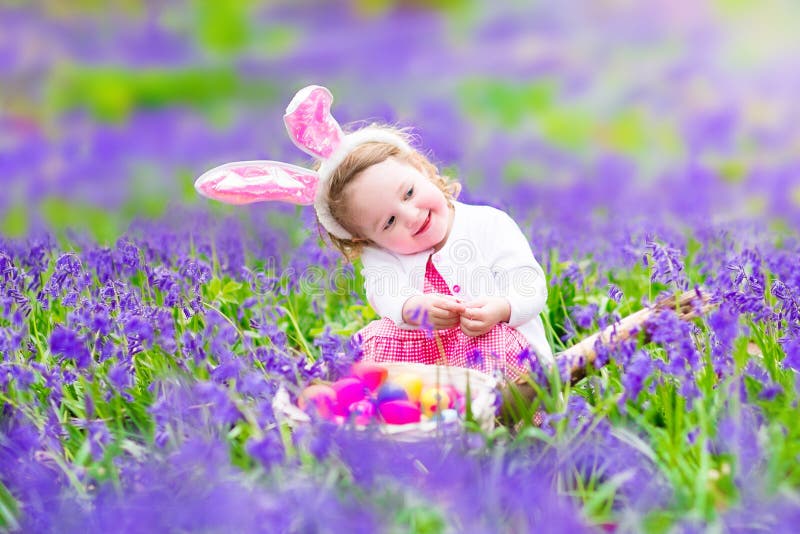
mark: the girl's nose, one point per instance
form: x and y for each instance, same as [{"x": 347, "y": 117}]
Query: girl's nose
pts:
[{"x": 410, "y": 217}]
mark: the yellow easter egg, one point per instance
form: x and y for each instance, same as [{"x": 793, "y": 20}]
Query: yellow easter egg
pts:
[
  {"x": 433, "y": 400},
  {"x": 411, "y": 383}
]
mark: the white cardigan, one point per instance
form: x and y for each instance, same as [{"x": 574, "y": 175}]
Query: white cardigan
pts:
[{"x": 486, "y": 254}]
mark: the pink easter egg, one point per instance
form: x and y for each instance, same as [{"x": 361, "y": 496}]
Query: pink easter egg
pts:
[
  {"x": 348, "y": 391},
  {"x": 362, "y": 412},
  {"x": 399, "y": 412},
  {"x": 453, "y": 393},
  {"x": 371, "y": 374},
  {"x": 320, "y": 398},
  {"x": 461, "y": 404}
]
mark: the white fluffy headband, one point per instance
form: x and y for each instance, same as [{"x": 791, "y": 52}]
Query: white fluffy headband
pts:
[{"x": 313, "y": 130}]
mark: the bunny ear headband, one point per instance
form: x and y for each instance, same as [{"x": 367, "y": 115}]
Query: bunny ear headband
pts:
[{"x": 313, "y": 130}]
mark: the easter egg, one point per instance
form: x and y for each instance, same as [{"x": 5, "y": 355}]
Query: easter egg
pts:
[
  {"x": 411, "y": 383},
  {"x": 391, "y": 392},
  {"x": 348, "y": 391},
  {"x": 433, "y": 399},
  {"x": 399, "y": 412},
  {"x": 461, "y": 404},
  {"x": 362, "y": 411},
  {"x": 318, "y": 397},
  {"x": 372, "y": 375},
  {"x": 454, "y": 394}
]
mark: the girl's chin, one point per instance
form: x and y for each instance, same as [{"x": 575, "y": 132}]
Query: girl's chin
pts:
[{"x": 437, "y": 241}]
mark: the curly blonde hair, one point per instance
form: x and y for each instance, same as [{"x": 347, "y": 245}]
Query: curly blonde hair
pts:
[{"x": 358, "y": 160}]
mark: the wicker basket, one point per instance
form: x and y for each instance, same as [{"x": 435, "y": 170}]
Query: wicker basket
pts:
[{"x": 483, "y": 390}]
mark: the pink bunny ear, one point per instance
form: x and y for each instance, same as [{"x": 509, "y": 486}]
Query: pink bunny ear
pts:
[
  {"x": 310, "y": 123},
  {"x": 244, "y": 182}
]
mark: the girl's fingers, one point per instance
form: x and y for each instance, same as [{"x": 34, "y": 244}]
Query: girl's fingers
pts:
[
  {"x": 455, "y": 307},
  {"x": 449, "y": 301},
  {"x": 440, "y": 324},
  {"x": 450, "y": 307},
  {"x": 470, "y": 332},
  {"x": 442, "y": 318},
  {"x": 473, "y": 314},
  {"x": 443, "y": 312},
  {"x": 436, "y": 321},
  {"x": 475, "y": 327},
  {"x": 472, "y": 325}
]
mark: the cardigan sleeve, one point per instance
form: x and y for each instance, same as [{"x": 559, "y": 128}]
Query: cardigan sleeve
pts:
[
  {"x": 386, "y": 284},
  {"x": 518, "y": 275}
]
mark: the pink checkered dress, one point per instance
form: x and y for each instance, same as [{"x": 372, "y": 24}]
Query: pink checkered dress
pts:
[{"x": 496, "y": 350}]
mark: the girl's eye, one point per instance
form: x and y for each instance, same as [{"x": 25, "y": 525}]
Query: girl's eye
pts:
[
  {"x": 389, "y": 223},
  {"x": 409, "y": 193}
]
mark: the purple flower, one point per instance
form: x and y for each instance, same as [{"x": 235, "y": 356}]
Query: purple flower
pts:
[
  {"x": 23, "y": 377},
  {"x": 101, "y": 322},
  {"x": 228, "y": 369},
  {"x": 635, "y": 374},
  {"x": 614, "y": 293},
  {"x": 724, "y": 325},
  {"x": 139, "y": 332},
  {"x": 254, "y": 384},
  {"x": 666, "y": 263},
  {"x": 98, "y": 437},
  {"x": 69, "y": 345},
  {"x": 584, "y": 316},
  {"x": 269, "y": 450},
  {"x": 666, "y": 328},
  {"x": 770, "y": 391},
  {"x": 193, "y": 346},
  {"x": 337, "y": 353},
  {"x": 128, "y": 255},
  {"x": 68, "y": 264},
  {"x": 791, "y": 347},
  {"x": 321, "y": 441},
  {"x": 218, "y": 402},
  {"x": 120, "y": 375},
  {"x": 474, "y": 359}
]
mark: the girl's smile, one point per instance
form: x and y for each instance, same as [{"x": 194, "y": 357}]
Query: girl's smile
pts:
[
  {"x": 398, "y": 208},
  {"x": 425, "y": 224}
]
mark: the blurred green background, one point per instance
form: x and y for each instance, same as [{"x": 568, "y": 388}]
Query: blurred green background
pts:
[{"x": 570, "y": 112}]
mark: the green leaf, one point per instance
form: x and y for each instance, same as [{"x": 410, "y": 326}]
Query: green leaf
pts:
[{"x": 9, "y": 509}]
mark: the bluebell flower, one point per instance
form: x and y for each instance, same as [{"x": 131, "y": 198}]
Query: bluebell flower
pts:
[
  {"x": 791, "y": 349},
  {"x": 268, "y": 450},
  {"x": 615, "y": 293},
  {"x": 634, "y": 375},
  {"x": 68, "y": 344}
]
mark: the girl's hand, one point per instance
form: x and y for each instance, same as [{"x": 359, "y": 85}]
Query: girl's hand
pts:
[
  {"x": 443, "y": 311},
  {"x": 483, "y": 313}
]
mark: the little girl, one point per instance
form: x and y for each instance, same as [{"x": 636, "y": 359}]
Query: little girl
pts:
[{"x": 455, "y": 284}]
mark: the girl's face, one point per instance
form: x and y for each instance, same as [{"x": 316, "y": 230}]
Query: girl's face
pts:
[{"x": 398, "y": 208}]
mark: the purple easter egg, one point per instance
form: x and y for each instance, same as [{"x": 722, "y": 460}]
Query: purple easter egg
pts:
[
  {"x": 399, "y": 412},
  {"x": 391, "y": 392},
  {"x": 362, "y": 412},
  {"x": 348, "y": 391}
]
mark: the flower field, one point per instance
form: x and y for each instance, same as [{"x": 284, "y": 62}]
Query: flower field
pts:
[{"x": 645, "y": 148}]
